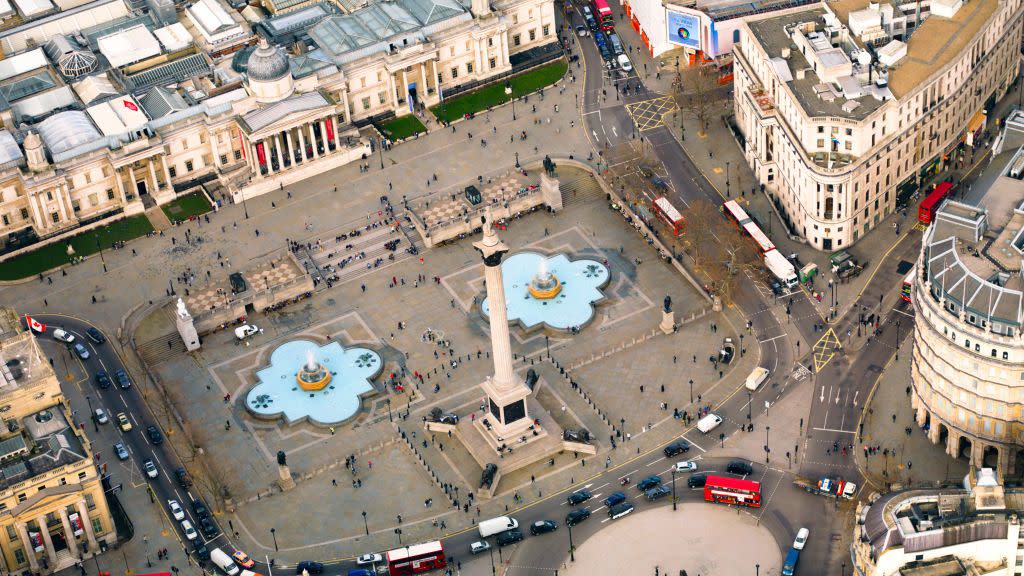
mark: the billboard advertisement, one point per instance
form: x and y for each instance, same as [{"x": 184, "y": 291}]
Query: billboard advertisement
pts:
[{"x": 683, "y": 29}]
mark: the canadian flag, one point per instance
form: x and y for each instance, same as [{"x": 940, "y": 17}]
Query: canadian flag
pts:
[
  {"x": 130, "y": 105},
  {"x": 35, "y": 324}
]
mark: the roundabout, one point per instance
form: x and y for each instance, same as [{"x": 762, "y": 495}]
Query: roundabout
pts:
[{"x": 700, "y": 538}]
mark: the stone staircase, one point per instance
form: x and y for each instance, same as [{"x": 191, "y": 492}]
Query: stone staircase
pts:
[
  {"x": 161, "y": 349},
  {"x": 581, "y": 189},
  {"x": 371, "y": 243},
  {"x": 157, "y": 217}
]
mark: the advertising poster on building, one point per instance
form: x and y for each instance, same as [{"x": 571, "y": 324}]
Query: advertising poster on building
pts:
[{"x": 683, "y": 29}]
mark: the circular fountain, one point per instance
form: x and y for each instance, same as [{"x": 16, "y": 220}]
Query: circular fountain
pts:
[
  {"x": 544, "y": 285},
  {"x": 312, "y": 376}
]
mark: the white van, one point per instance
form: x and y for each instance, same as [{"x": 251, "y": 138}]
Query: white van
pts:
[
  {"x": 709, "y": 423},
  {"x": 250, "y": 573},
  {"x": 496, "y": 525},
  {"x": 756, "y": 378},
  {"x": 223, "y": 561}
]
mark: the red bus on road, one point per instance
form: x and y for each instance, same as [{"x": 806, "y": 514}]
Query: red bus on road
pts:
[
  {"x": 730, "y": 490},
  {"x": 926, "y": 212},
  {"x": 604, "y": 15},
  {"x": 671, "y": 216},
  {"x": 416, "y": 559}
]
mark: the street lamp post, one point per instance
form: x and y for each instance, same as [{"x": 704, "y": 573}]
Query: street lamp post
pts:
[
  {"x": 547, "y": 345},
  {"x": 572, "y": 548},
  {"x": 750, "y": 406},
  {"x": 674, "y": 488},
  {"x": 273, "y": 533},
  {"x": 691, "y": 390},
  {"x": 145, "y": 539},
  {"x": 390, "y": 418},
  {"x": 365, "y": 525},
  {"x": 398, "y": 532},
  {"x": 380, "y": 146},
  {"x": 517, "y": 161},
  {"x": 494, "y": 569},
  {"x": 897, "y": 339},
  {"x": 508, "y": 90},
  {"x": 767, "y": 450},
  {"x": 757, "y": 569},
  {"x": 92, "y": 414},
  {"x": 728, "y": 193}
]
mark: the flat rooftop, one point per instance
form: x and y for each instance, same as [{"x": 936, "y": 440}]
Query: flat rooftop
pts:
[
  {"x": 933, "y": 44},
  {"x": 772, "y": 35}
]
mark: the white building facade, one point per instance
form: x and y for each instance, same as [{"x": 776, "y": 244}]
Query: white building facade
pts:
[{"x": 845, "y": 106}]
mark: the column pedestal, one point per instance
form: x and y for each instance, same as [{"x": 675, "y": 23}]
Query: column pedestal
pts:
[
  {"x": 668, "y": 322},
  {"x": 284, "y": 478}
]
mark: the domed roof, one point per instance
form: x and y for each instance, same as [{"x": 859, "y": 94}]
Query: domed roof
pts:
[{"x": 267, "y": 63}]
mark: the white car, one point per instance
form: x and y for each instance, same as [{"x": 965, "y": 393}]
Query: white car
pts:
[
  {"x": 150, "y": 468},
  {"x": 582, "y": 31},
  {"x": 101, "y": 416},
  {"x": 246, "y": 330},
  {"x": 689, "y": 466},
  {"x": 189, "y": 531},
  {"x": 624, "y": 63},
  {"x": 369, "y": 559},
  {"x": 63, "y": 336},
  {"x": 478, "y": 547},
  {"x": 801, "y": 538},
  {"x": 176, "y": 510}
]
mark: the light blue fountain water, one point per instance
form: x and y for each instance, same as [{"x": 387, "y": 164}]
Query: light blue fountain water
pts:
[
  {"x": 278, "y": 394},
  {"x": 582, "y": 281}
]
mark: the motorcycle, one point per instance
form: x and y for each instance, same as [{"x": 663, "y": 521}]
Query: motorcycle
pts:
[{"x": 624, "y": 481}]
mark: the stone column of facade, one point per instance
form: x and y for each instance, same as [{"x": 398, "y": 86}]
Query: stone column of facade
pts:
[
  {"x": 119, "y": 182},
  {"x": 47, "y": 221},
  {"x": 323, "y": 135},
  {"x": 83, "y": 512},
  {"x": 437, "y": 81},
  {"x": 290, "y": 145},
  {"x": 51, "y": 554},
  {"x": 425, "y": 89},
  {"x": 977, "y": 454},
  {"x": 920, "y": 415},
  {"x": 33, "y": 204},
  {"x": 69, "y": 533},
  {"x": 392, "y": 88},
  {"x": 348, "y": 107},
  {"x": 312, "y": 140},
  {"x": 254, "y": 158},
  {"x": 266, "y": 154},
  {"x": 280, "y": 154},
  {"x": 334, "y": 127},
  {"x": 479, "y": 56},
  {"x": 132, "y": 182},
  {"x": 504, "y": 49},
  {"x": 952, "y": 444},
  {"x": 302, "y": 144},
  {"x": 30, "y": 549},
  {"x": 933, "y": 432},
  {"x": 59, "y": 191},
  {"x": 213, "y": 146},
  {"x": 152, "y": 174},
  {"x": 167, "y": 171}
]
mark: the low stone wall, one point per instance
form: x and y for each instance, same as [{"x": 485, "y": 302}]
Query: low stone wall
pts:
[{"x": 579, "y": 447}]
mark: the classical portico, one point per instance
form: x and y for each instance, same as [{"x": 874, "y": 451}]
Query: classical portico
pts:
[
  {"x": 289, "y": 133},
  {"x": 142, "y": 174},
  {"x": 54, "y": 529}
]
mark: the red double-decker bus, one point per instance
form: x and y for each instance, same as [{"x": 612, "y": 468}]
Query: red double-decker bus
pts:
[
  {"x": 416, "y": 559},
  {"x": 926, "y": 212},
  {"x": 604, "y": 15},
  {"x": 729, "y": 490},
  {"x": 669, "y": 214}
]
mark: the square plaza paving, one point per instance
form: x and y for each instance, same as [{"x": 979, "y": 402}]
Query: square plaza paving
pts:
[{"x": 610, "y": 359}]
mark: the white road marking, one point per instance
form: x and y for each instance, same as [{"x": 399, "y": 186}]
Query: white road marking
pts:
[
  {"x": 694, "y": 444},
  {"x": 835, "y": 430},
  {"x": 766, "y": 340}
]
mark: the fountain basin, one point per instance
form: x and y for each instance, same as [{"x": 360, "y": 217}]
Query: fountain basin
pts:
[
  {"x": 565, "y": 303},
  {"x": 341, "y": 376}
]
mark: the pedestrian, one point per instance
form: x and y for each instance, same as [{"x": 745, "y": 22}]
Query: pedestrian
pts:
[{"x": 334, "y": 481}]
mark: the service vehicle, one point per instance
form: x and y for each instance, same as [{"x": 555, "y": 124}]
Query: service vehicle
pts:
[
  {"x": 831, "y": 487},
  {"x": 495, "y": 525}
]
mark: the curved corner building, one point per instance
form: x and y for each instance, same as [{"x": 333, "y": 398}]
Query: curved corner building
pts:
[{"x": 968, "y": 363}]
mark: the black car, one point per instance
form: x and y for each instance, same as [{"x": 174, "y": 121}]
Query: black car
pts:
[
  {"x": 677, "y": 447},
  {"x": 576, "y": 516},
  {"x": 201, "y": 551},
  {"x": 309, "y": 566},
  {"x": 777, "y": 288},
  {"x": 200, "y": 509},
  {"x": 122, "y": 378},
  {"x": 102, "y": 380},
  {"x": 739, "y": 467},
  {"x": 658, "y": 491},
  {"x": 183, "y": 479},
  {"x": 207, "y": 527},
  {"x": 95, "y": 335},
  {"x": 578, "y": 497},
  {"x": 509, "y": 537},
  {"x": 543, "y": 527},
  {"x": 648, "y": 483},
  {"x": 697, "y": 480},
  {"x": 154, "y": 435}
]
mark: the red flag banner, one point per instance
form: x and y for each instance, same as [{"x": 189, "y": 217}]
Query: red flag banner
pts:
[
  {"x": 330, "y": 129},
  {"x": 35, "y": 324},
  {"x": 259, "y": 153}
]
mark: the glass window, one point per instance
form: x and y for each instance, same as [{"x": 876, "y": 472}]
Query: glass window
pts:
[
  {"x": 469, "y": 67},
  {"x": 188, "y": 165},
  {"x": 516, "y": 40}
]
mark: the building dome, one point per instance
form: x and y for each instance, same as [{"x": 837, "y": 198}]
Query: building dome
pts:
[{"x": 267, "y": 63}]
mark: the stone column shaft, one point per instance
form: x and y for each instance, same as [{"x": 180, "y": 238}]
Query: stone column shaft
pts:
[
  {"x": 152, "y": 174},
  {"x": 167, "y": 171},
  {"x": 312, "y": 140},
  {"x": 280, "y": 154},
  {"x": 501, "y": 347},
  {"x": 51, "y": 554},
  {"x": 69, "y": 533},
  {"x": 302, "y": 143},
  {"x": 30, "y": 549},
  {"x": 334, "y": 126},
  {"x": 83, "y": 512},
  {"x": 290, "y": 145}
]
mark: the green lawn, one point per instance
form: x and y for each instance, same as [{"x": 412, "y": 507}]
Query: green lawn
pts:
[
  {"x": 55, "y": 254},
  {"x": 400, "y": 128},
  {"x": 494, "y": 94},
  {"x": 185, "y": 206}
]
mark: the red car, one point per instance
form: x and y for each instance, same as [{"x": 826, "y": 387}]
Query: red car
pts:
[{"x": 243, "y": 560}]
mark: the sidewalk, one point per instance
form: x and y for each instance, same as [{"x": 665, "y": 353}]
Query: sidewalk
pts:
[{"x": 911, "y": 458}]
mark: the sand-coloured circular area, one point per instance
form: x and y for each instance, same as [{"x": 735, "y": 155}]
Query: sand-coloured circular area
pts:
[{"x": 703, "y": 539}]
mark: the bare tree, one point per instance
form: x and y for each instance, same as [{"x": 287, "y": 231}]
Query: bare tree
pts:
[
  {"x": 206, "y": 478},
  {"x": 700, "y": 219},
  {"x": 696, "y": 92}
]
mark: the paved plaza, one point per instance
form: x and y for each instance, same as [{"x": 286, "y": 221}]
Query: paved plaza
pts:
[
  {"x": 365, "y": 309},
  {"x": 703, "y": 540}
]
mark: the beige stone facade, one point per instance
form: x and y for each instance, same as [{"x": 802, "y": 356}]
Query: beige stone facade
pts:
[
  {"x": 53, "y": 510},
  {"x": 847, "y": 105},
  {"x": 967, "y": 375}
]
